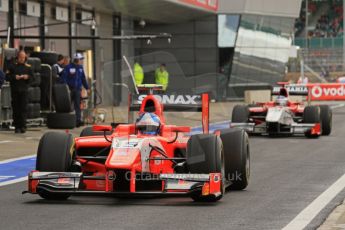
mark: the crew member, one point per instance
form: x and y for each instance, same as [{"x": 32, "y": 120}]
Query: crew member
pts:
[
  {"x": 138, "y": 74},
  {"x": 59, "y": 66},
  {"x": 19, "y": 76},
  {"x": 74, "y": 76},
  {"x": 162, "y": 76},
  {"x": 66, "y": 60}
]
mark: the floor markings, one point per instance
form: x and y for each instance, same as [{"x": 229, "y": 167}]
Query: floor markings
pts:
[{"x": 315, "y": 207}]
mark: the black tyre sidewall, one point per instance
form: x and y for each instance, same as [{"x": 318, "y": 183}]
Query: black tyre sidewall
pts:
[
  {"x": 236, "y": 157},
  {"x": 211, "y": 147},
  {"x": 54, "y": 152},
  {"x": 312, "y": 115},
  {"x": 326, "y": 119},
  {"x": 62, "y": 98},
  {"x": 240, "y": 114}
]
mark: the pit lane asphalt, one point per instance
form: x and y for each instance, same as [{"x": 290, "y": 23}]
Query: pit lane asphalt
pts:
[{"x": 287, "y": 174}]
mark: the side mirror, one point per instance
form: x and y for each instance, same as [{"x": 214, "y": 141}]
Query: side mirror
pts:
[
  {"x": 180, "y": 129},
  {"x": 102, "y": 128}
]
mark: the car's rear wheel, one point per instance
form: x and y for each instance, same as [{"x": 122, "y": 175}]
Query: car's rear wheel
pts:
[
  {"x": 237, "y": 158},
  {"x": 311, "y": 115},
  {"x": 326, "y": 119},
  {"x": 54, "y": 154},
  {"x": 205, "y": 155},
  {"x": 240, "y": 114}
]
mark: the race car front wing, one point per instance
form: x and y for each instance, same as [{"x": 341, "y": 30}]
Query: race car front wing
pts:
[
  {"x": 173, "y": 184},
  {"x": 296, "y": 128}
]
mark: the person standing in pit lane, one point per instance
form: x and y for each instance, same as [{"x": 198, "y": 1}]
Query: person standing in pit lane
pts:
[
  {"x": 138, "y": 73},
  {"x": 19, "y": 76},
  {"x": 58, "y": 68},
  {"x": 162, "y": 76},
  {"x": 74, "y": 76}
]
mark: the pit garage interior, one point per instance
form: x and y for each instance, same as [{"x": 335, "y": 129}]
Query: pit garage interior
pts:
[{"x": 219, "y": 46}]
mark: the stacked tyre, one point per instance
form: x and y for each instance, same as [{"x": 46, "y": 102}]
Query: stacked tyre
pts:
[
  {"x": 62, "y": 118},
  {"x": 34, "y": 91},
  {"x": 47, "y": 78}
]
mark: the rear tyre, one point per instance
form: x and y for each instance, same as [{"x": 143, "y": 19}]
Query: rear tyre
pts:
[
  {"x": 34, "y": 94},
  {"x": 205, "y": 155},
  {"x": 30, "y": 111},
  {"x": 236, "y": 158},
  {"x": 61, "y": 120},
  {"x": 62, "y": 98},
  {"x": 311, "y": 115},
  {"x": 35, "y": 64},
  {"x": 326, "y": 119},
  {"x": 240, "y": 114},
  {"x": 36, "y": 81},
  {"x": 54, "y": 154},
  {"x": 49, "y": 58}
]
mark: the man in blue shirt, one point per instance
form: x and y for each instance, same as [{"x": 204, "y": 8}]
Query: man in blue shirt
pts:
[{"x": 74, "y": 76}]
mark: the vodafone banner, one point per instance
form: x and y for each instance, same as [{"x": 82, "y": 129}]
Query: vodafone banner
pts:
[{"x": 327, "y": 91}]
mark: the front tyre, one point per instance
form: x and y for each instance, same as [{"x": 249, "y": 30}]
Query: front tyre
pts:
[
  {"x": 240, "y": 114},
  {"x": 205, "y": 155},
  {"x": 311, "y": 115},
  {"x": 54, "y": 154},
  {"x": 326, "y": 119}
]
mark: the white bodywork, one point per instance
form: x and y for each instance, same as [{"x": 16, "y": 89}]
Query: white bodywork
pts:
[
  {"x": 123, "y": 144},
  {"x": 281, "y": 115}
]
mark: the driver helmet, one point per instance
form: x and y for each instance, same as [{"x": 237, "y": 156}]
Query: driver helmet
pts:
[
  {"x": 282, "y": 100},
  {"x": 148, "y": 123}
]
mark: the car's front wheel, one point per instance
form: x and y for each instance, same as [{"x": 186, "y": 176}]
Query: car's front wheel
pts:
[
  {"x": 326, "y": 119},
  {"x": 54, "y": 154},
  {"x": 311, "y": 115},
  {"x": 205, "y": 155}
]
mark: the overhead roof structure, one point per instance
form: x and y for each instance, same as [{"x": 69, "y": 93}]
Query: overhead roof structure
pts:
[{"x": 172, "y": 11}]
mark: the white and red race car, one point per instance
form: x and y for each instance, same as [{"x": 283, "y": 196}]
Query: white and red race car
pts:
[{"x": 283, "y": 116}]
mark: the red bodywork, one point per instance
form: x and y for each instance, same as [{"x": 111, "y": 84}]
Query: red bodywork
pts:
[{"x": 121, "y": 169}]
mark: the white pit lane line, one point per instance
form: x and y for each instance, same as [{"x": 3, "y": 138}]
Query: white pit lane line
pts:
[
  {"x": 337, "y": 106},
  {"x": 314, "y": 208},
  {"x": 5, "y": 142},
  {"x": 20, "y": 179},
  {"x": 17, "y": 158}
]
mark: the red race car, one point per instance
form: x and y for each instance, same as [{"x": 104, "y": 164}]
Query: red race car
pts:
[
  {"x": 147, "y": 157},
  {"x": 283, "y": 116}
]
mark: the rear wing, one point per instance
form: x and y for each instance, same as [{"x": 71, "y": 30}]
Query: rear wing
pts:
[
  {"x": 176, "y": 103},
  {"x": 293, "y": 89}
]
